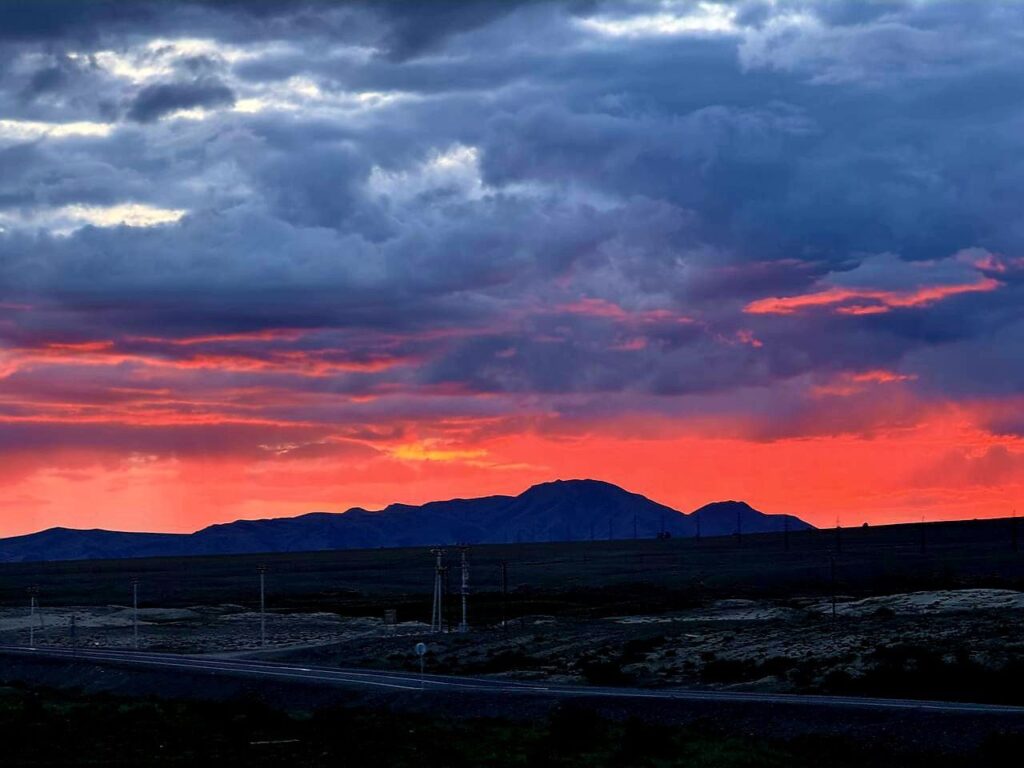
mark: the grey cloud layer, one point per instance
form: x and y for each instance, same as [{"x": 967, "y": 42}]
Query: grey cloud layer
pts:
[{"x": 403, "y": 169}]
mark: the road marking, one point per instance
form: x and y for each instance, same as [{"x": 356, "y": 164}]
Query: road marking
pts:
[{"x": 409, "y": 682}]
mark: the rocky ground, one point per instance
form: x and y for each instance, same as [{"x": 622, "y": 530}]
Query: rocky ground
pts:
[
  {"x": 963, "y": 644},
  {"x": 197, "y": 629}
]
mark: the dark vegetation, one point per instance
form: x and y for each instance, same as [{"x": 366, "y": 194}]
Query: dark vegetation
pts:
[
  {"x": 931, "y": 674},
  {"x": 51, "y": 728},
  {"x": 565, "y": 593},
  {"x": 577, "y": 579}
]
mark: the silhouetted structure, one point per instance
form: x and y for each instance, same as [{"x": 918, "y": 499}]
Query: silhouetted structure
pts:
[
  {"x": 262, "y": 571},
  {"x": 135, "y": 613},
  {"x": 437, "y": 612},
  {"x": 464, "y": 623},
  {"x": 503, "y": 564}
]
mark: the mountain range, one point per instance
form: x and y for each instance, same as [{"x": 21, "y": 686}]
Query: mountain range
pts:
[{"x": 562, "y": 510}]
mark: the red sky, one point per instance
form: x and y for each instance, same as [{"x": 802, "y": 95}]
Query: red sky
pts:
[
  {"x": 154, "y": 454},
  {"x": 260, "y": 259},
  {"x": 172, "y": 432}
]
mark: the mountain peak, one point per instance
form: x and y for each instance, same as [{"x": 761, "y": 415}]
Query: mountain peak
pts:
[
  {"x": 719, "y": 507},
  {"x": 560, "y": 510},
  {"x": 574, "y": 484}
]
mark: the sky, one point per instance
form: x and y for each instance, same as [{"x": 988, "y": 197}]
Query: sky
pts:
[{"x": 264, "y": 258}]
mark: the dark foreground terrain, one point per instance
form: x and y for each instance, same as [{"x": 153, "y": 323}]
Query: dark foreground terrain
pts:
[
  {"x": 918, "y": 612},
  {"x": 40, "y": 726},
  {"x": 591, "y": 578}
]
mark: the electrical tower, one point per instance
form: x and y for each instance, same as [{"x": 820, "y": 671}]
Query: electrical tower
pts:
[
  {"x": 832, "y": 568},
  {"x": 33, "y": 604},
  {"x": 464, "y": 624},
  {"x": 135, "y": 614},
  {"x": 262, "y": 570},
  {"x": 504, "y": 594},
  {"x": 437, "y": 613}
]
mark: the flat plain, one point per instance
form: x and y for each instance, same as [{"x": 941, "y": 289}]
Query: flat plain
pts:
[{"x": 932, "y": 611}]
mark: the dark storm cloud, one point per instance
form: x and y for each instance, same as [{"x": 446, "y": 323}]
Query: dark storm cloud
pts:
[
  {"x": 517, "y": 198},
  {"x": 67, "y": 19},
  {"x": 155, "y": 101}
]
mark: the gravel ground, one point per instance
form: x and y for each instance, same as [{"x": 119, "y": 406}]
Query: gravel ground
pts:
[{"x": 789, "y": 646}]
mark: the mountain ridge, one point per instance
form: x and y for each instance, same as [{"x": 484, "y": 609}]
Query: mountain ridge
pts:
[{"x": 559, "y": 510}]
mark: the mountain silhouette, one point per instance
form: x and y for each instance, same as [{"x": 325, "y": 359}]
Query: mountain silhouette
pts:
[{"x": 562, "y": 510}]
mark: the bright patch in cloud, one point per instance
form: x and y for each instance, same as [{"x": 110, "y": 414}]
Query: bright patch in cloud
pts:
[
  {"x": 68, "y": 218},
  {"x": 429, "y": 450},
  {"x": 455, "y": 169},
  {"x": 157, "y": 58},
  {"x": 28, "y": 130},
  {"x": 704, "y": 18},
  {"x": 853, "y": 301},
  {"x": 128, "y": 214},
  {"x": 847, "y": 384}
]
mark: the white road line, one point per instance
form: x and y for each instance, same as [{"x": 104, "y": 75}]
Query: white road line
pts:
[{"x": 412, "y": 682}]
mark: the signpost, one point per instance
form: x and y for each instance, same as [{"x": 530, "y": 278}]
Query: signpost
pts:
[{"x": 421, "y": 651}]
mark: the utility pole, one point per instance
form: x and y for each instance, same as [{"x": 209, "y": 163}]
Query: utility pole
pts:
[
  {"x": 437, "y": 612},
  {"x": 135, "y": 614},
  {"x": 464, "y": 624},
  {"x": 504, "y": 594},
  {"x": 446, "y": 585},
  {"x": 839, "y": 536},
  {"x": 832, "y": 564},
  {"x": 261, "y": 569},
  {"x": 33, "y": 603}
]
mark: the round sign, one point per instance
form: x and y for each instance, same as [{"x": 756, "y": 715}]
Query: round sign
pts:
[{"x": 421, "y": 649}]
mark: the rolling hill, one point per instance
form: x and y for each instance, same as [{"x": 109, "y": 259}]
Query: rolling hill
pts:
[{"x": 562, "y": 510}]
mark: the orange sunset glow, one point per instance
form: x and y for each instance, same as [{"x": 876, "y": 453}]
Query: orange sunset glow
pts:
[
  {"x": 267, "y": 263},
  {"x": 860, "y": 448}
]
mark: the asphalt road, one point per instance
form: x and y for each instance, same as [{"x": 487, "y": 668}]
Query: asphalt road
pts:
[{"x": 404, "y": 681}]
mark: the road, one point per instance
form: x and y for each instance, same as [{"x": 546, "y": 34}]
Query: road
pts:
[{"x": 404, "y": 681}]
